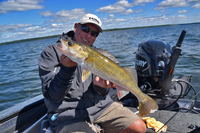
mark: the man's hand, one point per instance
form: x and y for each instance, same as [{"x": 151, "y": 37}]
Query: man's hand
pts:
[
  {"x": 103, "y": 83},
  {"x": 67, "y": 61}
]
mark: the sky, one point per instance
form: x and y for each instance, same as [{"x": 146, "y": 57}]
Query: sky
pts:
[{"x": 23, "y": 19}]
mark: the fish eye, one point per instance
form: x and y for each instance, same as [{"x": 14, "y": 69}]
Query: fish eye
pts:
[{"x": 70, "y": 43}]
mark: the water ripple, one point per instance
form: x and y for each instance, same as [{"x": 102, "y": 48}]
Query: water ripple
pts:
[{"x": 19, "y": 61}]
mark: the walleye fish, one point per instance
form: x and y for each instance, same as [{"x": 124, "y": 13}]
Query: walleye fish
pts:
[{"x": 100, "y": 65}]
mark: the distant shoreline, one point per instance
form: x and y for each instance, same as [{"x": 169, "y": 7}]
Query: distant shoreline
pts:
[{"x": 114, "y": 29}]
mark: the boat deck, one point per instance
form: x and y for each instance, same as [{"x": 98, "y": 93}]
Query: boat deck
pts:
[{"x": 180, "y": 123}]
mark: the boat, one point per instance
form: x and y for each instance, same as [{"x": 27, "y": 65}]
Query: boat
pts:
[
  {"x": 178, "y": 113},
  {"x": 31, "y": 116}
]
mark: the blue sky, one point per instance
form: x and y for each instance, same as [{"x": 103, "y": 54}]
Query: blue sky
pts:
[{"x": 22, "y": 19}]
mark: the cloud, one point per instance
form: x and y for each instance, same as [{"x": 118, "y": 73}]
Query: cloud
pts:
[
  {"x": 155, "y": 20},
  {"x": 61, "y": 21},
  {"x": 112, "y": 9},
  {"x": 20, "y": 31},
  {"x": 138, "y": 11},
  {"x": 64, "y": 16},
  {"x": 19, "y": 5},
  {"x": 35, "y": 28},
  {"x": 123, "y": 3},
  {"x": 196, "y": 6},
  {"x": 121, "y": 6},
  {"x": 179, "y": 18},
  {"x": 142, "y": 2},
  {"x": 182, "y": 16},
  {"x": 193, "y": 1},
  {"x": 72, "y": 14},
  {"x": 172, "y": 3},
  {"x": 182, "y": 11},
  {"x": 46, "y": 13},
  {"x": 113, "y": 22},
  {"x": 120, "y": 20},
  {"x": 128, "y": 11},
  {"x": 13, "y": 31},
  {"x": 163, "y": 10},
  {"x": 12, "y": 27}
]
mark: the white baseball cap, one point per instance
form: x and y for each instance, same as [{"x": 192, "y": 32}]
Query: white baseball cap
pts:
[{"x": 91, "y": 18}]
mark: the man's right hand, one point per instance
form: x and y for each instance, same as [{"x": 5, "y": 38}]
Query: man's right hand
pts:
[{"x": 67, "y": 61}]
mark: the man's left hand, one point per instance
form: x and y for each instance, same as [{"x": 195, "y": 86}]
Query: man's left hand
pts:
[{"x": 103, "y": 83}]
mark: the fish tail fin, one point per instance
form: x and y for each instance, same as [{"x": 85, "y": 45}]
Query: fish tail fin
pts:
[{"x": 146, "y": 106}]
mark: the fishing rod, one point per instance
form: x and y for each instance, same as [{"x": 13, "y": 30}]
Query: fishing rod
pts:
[{"x": 179, "y": 111}]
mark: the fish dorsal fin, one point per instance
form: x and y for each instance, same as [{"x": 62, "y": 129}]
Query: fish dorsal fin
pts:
[
  {"x": 85, "y": 74},
  {"x": 133, "y": 73},
  {"x": 107, "y": 54}
]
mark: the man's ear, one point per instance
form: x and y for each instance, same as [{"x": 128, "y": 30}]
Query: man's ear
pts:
[{"x": 75, "y": 27}]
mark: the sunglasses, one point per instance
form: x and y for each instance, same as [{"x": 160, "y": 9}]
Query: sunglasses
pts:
[{"x": 86, "y": 29}]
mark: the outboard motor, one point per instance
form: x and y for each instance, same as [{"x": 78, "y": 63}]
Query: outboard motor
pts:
[{"x": 155, "y": 62}]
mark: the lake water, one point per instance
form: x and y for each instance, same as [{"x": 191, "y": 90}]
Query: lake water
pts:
[{"x": 19, "y": 61}]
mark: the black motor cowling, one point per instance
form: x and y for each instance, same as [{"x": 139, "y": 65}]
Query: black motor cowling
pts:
[
  {"x": 155, "y": 63},
  {"x": 152, "y": 57}
]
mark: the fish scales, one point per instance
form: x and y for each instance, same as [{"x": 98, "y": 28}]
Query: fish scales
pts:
[{"x": 105, "y": 68}]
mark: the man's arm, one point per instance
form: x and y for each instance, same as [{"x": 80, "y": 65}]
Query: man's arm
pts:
[{"x": 56, "y": 80}]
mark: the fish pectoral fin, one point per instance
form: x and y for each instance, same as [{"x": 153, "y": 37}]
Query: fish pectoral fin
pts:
[
  {"x": 85, "y": 74},
  {"x": 121, "y": 92},
  {"x": 132, "y": 72}
]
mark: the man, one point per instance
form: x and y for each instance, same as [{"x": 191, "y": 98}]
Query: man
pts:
[{"x": 76, "y": 106}]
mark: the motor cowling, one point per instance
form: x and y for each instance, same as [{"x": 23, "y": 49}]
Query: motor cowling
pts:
[{"x": 152, "y": 58}]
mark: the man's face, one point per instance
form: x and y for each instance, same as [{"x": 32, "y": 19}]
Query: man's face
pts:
[{"x": 83, "y": 37}]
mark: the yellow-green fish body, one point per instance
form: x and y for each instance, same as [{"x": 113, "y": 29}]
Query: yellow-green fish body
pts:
[{"x": 105, "y": 68}]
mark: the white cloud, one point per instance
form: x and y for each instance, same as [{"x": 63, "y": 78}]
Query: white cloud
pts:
[
  {"x": 123, "y": 3},
  {"x": 163, "y": 10},
  {"x": 111, "y": 20},
  {"x": 19, "y": 5},
  {"x": 65, "y": 16},
  {"x": 75, "y": 12},
  {"x": 46, "y": 13},
  {"x": 120, "y": 20},
  {"x": 182, "y": 11},
  {"x": 193, "y": 1},
  {"x": 121, "y": 6},
  {"x": 138, "y": 11},
  {"x": 111, "y": 16},
  {"x": 172, "y": 3},
  {"x": 196, "y": 6},
  {"x": 19, "y": 31},
  {"x": 142, "y": 2},
  {"x": 129, "y": 11},
  {"x": 182, "y": 16},
  {"x": 35, "y": 28},
  {"x": 12, "y": 27},
  {"x": 112, "y": 9}
]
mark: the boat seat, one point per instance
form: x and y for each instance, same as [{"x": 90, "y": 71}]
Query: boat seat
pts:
[{"x": 45, "y": 127}]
